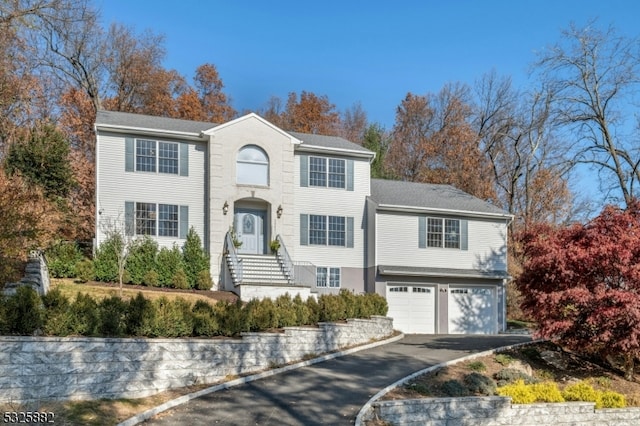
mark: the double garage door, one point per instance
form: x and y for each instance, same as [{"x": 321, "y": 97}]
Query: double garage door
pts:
[{"x": 468, "y": 310}]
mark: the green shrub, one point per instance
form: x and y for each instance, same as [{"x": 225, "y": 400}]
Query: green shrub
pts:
[
  {"x": 141, "y": 258},
  {"x": 205, "y": 322},
  {"x": 57, "y": 315},
  {"x": 349, "y": 300},
  {"x": 287, "y": 313},
  {"x": 195, "y": 258},
  {"x": 84, "y": 270},
  {"x": 151, "y": 278},
  {"x": 168, "y": 262},
  {"x": 112, "y": 316},
  {"x": 4, "y": 321},
  {"x": 262, "y": 314},
  {"x": 507, "y": 376},
  {"x": 203, "y": 280},
  {"x": 232, "y": 318},
  {"x": 332, "y": 308},
  {"x": 172, "y": 318},
  {"x": 24, "y": 312},
  {"x": 105, "y": 262},
  {"x": 301, "y": 310},
  {"x": 480, "y": 384},
  {"x": 62, "y": 259},
  {"x": 180, "y": 280},
  {"x": 454, "y": 388},
  {"x": 83, "y": 315},
  {"x": 140, "y": 311},
  {"x": 503, "y": 359},
  {"x": 314, "y": 310},
  {"x": 477, "y": 366},
  {"x": 379, "y": 303}
]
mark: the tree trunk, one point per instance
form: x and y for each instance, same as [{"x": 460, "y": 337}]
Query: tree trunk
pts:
[{"x": 629, "y": 362}]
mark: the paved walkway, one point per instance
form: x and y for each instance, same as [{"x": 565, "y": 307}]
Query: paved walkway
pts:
[{"x": 330, "y": 392}]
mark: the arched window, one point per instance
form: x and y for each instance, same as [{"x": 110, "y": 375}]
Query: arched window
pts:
[{"x": 252, "y": 166}]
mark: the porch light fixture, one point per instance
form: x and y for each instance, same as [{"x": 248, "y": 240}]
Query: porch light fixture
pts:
[
  {"x": 279, "y": 211},
  {"x": 225, "y": 208}
]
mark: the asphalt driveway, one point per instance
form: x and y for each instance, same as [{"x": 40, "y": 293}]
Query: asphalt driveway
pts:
[{"x": 331, "y": 392}]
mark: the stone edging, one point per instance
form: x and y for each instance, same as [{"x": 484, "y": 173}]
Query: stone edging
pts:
[
  {"x": 139, "y": 418},
  {"x": 368, "y": 406}
]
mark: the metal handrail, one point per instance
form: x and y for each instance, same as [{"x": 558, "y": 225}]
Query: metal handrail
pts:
[
  {"x": 236, "y": 262},
  {"x": 287, "y": 264}
]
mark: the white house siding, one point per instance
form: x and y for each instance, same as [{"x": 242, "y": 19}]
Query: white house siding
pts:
[
  {"x": 115, "y": 186},
  {"x": 225, "y": 142},
  {"x": 334, "y": 202},
  {"x": 397, "y": 244}
]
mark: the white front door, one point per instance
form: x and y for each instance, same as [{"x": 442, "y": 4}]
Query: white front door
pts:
[{"x": 249, "y": 226}]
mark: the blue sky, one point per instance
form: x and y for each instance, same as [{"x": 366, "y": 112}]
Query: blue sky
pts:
[{"x": 371, "y": 52}]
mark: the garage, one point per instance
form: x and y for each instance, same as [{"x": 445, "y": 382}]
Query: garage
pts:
[
  {"x": 412, "y": 308},
  {"x": 472, "y": 310}
]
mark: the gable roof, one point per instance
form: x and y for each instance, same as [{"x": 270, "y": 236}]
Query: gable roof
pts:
[
  {"x": 118, "y": 119},
  {"x": 400, "y": 195},
  {"x": 331, "y": 142}
]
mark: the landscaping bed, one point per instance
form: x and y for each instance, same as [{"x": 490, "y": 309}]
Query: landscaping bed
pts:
[{"x": 543, "y": 362}]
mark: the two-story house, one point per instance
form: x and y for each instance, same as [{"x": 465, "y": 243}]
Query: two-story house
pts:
[{"x": 289, "y": 212}]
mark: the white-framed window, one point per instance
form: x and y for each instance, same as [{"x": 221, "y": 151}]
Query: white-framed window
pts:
[
  {"x": 327, "y": 172},
  {"x": 252, "y": 166},
  {"x": 145, "y": 219},
  {"x": 168, "y": 220},
  {"x": 443, "y": 233},
  {"x": 327, "y": 277},
  {"x": 327, "y": 230},
  {"x": 153, "y": 155},
  {"x": 168, "y": 157}
]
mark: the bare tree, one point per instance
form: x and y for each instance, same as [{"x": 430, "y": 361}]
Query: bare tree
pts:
[
  {"x": 529, "y": 162},
  {"x": 119, "y": 232},
  {"x": 593, "y": 75}
]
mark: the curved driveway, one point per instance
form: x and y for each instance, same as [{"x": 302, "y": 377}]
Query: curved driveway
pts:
[{"x": 330, "y": 392}]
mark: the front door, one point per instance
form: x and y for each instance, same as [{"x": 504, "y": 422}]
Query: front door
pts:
[{"x": 249, "y": 226}]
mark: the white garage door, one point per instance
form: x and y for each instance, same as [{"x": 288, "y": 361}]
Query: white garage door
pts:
[
  {"x": 472, "y": 310},
  {"x": 412, "y": 308}
]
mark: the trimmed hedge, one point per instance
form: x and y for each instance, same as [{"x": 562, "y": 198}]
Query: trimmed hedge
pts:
[{"x": 26, "y": 313}]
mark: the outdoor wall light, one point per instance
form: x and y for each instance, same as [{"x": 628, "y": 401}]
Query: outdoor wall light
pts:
[
  {"x": 225, "y": 208},
  {"x": 279, "y": 211}
]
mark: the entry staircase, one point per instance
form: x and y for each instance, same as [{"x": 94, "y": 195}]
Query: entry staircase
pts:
[{"x": 260, "y": 269}]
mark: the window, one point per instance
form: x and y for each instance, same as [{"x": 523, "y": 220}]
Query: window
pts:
[
  {"x": 164, "y": 159},
  {"x": 327, "y": 172},
  {"x": 328, "y": 277},
  {"x": 161, "y": 220},
  {"x": 145, "y": 219},
  {"x": 145, "y": 155},
  {"x": 443, "y": 233},
  {"x": 168, "y": 158},
  {"x": 252, "y": 166},
  {"x": 167, "y": 220},
  {"x": 317, "y": 230},
  {"x": 329, "y": 230}
]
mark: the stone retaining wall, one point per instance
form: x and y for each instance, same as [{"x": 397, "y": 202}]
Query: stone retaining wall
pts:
[
  {"x": 494, "y": 411},
  {"x": 36, "y": 275},
  {"x": 61, "y": 368}
]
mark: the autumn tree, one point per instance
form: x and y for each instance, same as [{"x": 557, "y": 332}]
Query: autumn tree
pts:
[
  {"x": 581, "y": 284},
  {"x": 594, "y": 76},
  {"x": 215, "y": 104},
  {"x": 433, "y": 141},
  {"x": 307, "y": 114},
  {"x": 354, "y": 124}
]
